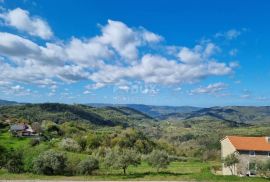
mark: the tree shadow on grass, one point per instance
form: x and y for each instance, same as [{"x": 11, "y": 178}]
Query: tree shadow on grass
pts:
[{"x": 152, "y": 174}]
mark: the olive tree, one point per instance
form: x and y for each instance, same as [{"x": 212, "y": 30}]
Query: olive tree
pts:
[
  {"x": 50, "y": 163},
  {"x": 87, "y": 166},
  {"x": 230, "y": 161},
  {"x": 122, "y": 159},
  {"x": 70, "y": 145},
  {"x": 14, "y": 163},
  {"x": 158, "y": 159}
]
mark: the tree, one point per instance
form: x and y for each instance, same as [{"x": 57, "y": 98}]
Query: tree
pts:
[
  {"x": 70, "y": 145},
  {"x": 122, "y": 159},
  {"x": 3, "y": 156},
  {"x": 158, "y": 159},
  {"x": 50, "y": 163},
  {"x": 87, "y": 166},
  {"x": 82, "y": 142},
  {"x": 36, "y": 127},
  {"x": 15, "y": 162},
  {"x": 263, "y": 168},
  {"x": 230, "y": 161}
]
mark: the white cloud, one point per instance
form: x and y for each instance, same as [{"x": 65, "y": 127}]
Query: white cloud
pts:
[
  {"x": 87, "y": 52},
  {"x": 159, "y": 70},
  {"x": 245, "y": 96},
  {"x": 124, "y": 88},
  {"x": 87, "y": 92},
  {"x": 15, "y": 90},
  {"x": 103, "y": 60},
  {"x": 22, "y": 20},
  {"x": 229, "y": 35},
  {"x": 210, "y": 89},
  {"x": 126, "y": 40},
  {"x": 197, "y": 54}
]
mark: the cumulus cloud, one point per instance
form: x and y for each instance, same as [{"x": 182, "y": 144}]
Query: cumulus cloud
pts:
[
  {"x": 210, "y": 89},
  {"x": 159, "y": 70},
  {"x": 15, "y": 90},
  {"x": 111, "y": 58},
  {"x": 21, "y": 20}
]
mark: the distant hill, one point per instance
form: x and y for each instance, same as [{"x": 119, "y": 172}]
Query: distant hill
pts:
[
  {"x": 240, "y": 114},
  {"x": 5, "y": 102},
  {"x": 153, "y": 111},
  {"x": 59, "y": 113}
]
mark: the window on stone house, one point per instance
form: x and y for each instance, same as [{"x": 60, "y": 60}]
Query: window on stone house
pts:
[{"x": 252, "y": 153}]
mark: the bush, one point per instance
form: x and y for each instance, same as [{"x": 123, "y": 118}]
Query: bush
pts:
[
  {"x": 82, "y": 143},
  {"x": 15, "y": 162},
  {"x": 3, "y": 156},
  {"x": 70, "y": 145},
  {"x": 264, "y": 168},
  {"x": 34, "y": 142},
  {"x": 158, "y": 159},
  {"x": 87, "y": 166},
  {"x": 50, "y": 163}
]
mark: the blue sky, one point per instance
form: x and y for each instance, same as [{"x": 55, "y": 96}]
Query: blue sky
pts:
[{"x": 200, "y": 53}]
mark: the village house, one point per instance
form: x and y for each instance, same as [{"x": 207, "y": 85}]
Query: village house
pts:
[
  {"x": 22, "y": 130},
  {"x": 249, "y": 150}
]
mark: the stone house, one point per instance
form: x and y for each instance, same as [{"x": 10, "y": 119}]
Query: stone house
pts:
[{"x": 249, "y": 150}]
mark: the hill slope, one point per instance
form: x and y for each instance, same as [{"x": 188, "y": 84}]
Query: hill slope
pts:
[
  {"x": 240, "y": 114},
  {"x": 153, "y": 111},
  {"x": 60, "y": 113},
  {"x": 5, "y": 102}
]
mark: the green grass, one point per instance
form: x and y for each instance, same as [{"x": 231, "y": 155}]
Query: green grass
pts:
[
  {"x": 189, "y": 171},
  {"x": 7, "y": 140}
]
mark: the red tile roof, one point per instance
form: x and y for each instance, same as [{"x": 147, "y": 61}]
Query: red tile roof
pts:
[{"x": 250, "y": 143}]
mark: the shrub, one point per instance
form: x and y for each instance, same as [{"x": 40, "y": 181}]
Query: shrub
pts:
[
  {"x": 70, "y": 145},
  {"x": 82, "y": 143},
  {"x": 33, "y": 142},
  {"x": 50, "y": 163},
  {"x": 15, "y": 162},
  {"x": 264, "y": 168},
  {"x": 87, "y": 166},
  {"x": 158, "y": 159},
  {"x": 3, "y": 156}
]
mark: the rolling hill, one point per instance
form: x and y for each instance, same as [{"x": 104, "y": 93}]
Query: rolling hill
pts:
[
  {"x": 59, "y": 113},
  {"x": 5, "y": 102},
  {"x": 153, "y": 111},
  {"x": 239, "y": 114}
]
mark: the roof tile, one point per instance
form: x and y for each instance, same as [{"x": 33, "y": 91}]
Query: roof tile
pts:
[{"x": 250, "y": 143}]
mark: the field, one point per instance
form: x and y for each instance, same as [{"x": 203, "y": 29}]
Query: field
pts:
[{"x": 189, "y": 171}]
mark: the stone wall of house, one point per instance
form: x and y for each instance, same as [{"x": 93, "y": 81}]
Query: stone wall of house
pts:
[
  {"x": 245, "y": 159},
  {"x": 226, "y": 149}
]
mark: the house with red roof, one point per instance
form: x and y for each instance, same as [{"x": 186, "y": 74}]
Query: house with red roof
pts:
[{"x": 249, "y": 151}]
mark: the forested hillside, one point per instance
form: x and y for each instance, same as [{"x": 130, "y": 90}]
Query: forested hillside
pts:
[{"x": 109, "y": 135}]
